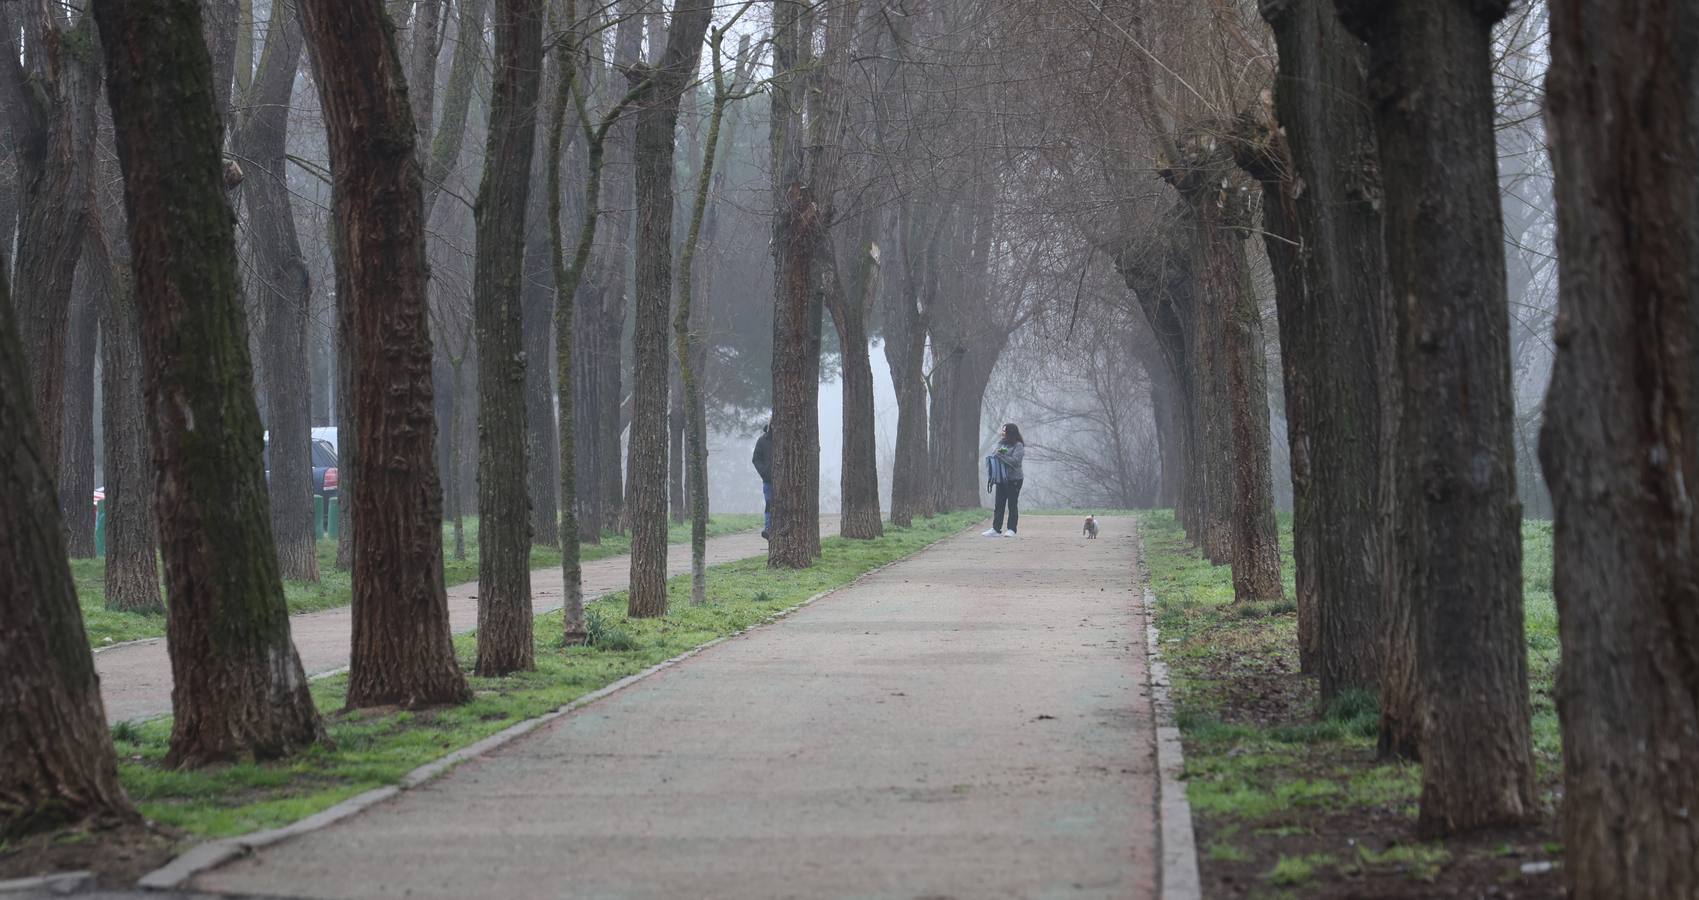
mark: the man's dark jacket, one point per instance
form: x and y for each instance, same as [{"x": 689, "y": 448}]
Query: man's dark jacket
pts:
[{"x": 763, "y": 458}]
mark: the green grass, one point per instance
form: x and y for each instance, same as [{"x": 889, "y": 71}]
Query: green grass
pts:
[
  {"x": 333, "y": 588},
  {"x": 1276, "y": 778},
  {"x": 373, "y": 748}
]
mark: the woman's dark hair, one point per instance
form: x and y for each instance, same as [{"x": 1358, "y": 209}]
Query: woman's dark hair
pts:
[{"x": 1012, "y": 434}]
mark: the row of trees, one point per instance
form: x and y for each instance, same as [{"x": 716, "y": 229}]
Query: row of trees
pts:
[
  {"x": 178, "y": 314},
  {"x": 1367, "y": 159}
]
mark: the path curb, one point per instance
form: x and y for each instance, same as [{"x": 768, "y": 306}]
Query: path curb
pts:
[
  {"x": 210, "y": 855},
  {"x": 1180, "y": 879}
]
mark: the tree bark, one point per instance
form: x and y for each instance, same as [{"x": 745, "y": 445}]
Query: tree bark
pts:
[
  {"x": 1619, "y": 442},
  {"x": 284, "y": 285},
  {"x": 76, "y": 460},
  {"x": 1324, "y": 244},
  {"x": 456, "y": 101},
  {"x": 538, "y": 300},
  {"x": 56, "y": 761},
  {"x": 238, "y": 687},
  {"x": 850, "y": 304},
  {"x": 403, "y": 653},
  {"x": 504, "y": 507},
  {"x": 1459, "y": 548},
  {"x": 132, "y": 540},
  {"x": 905, "y": 353},
  {"x": 53, "y": 134},
  {"x": 1228, "y": 341},
  {"x": 657, "y": 119},
  {"x": 616, "y": 259},
  {"x": 798, "y": 229}
]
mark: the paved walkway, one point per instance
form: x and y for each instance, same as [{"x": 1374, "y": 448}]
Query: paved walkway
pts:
[
  {"x": 970, "y": 723},
  {"x": 135, "y": 678}
]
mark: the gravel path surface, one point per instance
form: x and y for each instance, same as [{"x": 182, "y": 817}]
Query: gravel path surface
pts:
[
  {"x": 135, "y": 678},
  {"x": 973, "y": 722}
]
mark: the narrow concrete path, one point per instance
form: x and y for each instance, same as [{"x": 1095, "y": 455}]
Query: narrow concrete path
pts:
[
  {"x": 970, "y": 723},
  {"x": 135, "y": 678}
]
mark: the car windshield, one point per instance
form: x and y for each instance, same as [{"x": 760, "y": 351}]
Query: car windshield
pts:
[{"x": 323, "y": 456}]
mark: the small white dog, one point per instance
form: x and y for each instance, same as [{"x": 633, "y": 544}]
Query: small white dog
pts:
[{"x": 1090, "y": 530}]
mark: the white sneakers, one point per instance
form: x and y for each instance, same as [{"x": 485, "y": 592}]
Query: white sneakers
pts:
[
  {"x": 1008, "y": 534},
  {"x": 991, "y": 532}
]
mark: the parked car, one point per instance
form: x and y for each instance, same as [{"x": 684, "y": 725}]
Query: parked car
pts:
[{"x": 325, "y": 477}]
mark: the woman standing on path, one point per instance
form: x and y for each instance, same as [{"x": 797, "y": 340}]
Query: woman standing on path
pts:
[{"x": 1005, "y": 468}]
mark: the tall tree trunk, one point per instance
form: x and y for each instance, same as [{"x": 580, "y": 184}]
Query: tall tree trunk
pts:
[
  {"x": 1620, "y": 445},
  {"x": 456, "y": 100},
  {"x": 850, "y": 303},
  {"x": 905, "y": 353},
  {"x": 657, "y": 119},
  {"x": 1230, "y": 335},
  {"x": 238, "y": 688},
  {"x": 1325, "y": 244},
  {"x": 504, "y": 508},
  {"x": 53, "y": 127},
  {"x": 613, "y": 280},
  {"x": 538, "y": 299},
  {"x": 132, "y": 540},
  {"x": 1458, "y": 521},
  {"x": 690, "y": 317},
  {"x": 797, "y": 232},
  {"x": 284, "y": 285},
  {"x": 403, "y": 653},
  {"x": 56, "y": 761},
  {"x": 76, "y": 460}
]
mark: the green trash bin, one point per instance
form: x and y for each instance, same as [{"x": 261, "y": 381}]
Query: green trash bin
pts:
[
  {"x": 318, "y": 516},
  {"x": 100, "y": 528},
  {"x": 333, "y": 518}
]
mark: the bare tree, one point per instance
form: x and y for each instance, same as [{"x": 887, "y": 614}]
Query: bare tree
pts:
[
  {"x": 403, "y": 652},
  {"x": 656, "y": 106},
  {"x": 504, "y": 506},
  {"x": 238, "y": 689},
  {"x": 1618, "y": 443},
  {"x": 56, "y": 759},
  {"x": 1457, "y": 559},
  {"x": 284, "y": 286}
]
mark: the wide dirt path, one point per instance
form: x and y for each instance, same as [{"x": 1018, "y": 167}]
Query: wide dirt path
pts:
[
  {"x": 973, "y": 722},
  {"x": 135, "y": 678}
]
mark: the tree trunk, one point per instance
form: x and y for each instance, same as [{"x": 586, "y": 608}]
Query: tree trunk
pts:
[
  {"x": 905, "y": 353},
  {"x": 1229, "y": 333},
  {"x": 541, "y": 438},
  {"x": 56, "y": 761},
  {"x": 657, "y": 119},
  {"x": 615, "y": 261},
  {"x": 284, "y": 286},
  {"x": 54, "y": 140},
  {"x": 1459, "y": 523},
  {"x": 456, "y": 100},
  {"x": 132, "y": 541},
  {"x": 402, "y": 653},
  {"x": 1325, "y": 245},
  {"x": 850, "y": 303},
  {"x": 76, "y": 460},
  {"x": 538, "y": 298},
  {"x": 504, "y": 508},
  {"x": 1619, "y": 442},
  {"x": 238, "y": 687},
  {"x": 798, "y": 230}
]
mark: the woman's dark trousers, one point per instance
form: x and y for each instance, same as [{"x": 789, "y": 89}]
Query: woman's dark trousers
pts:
[{"x": 1008, "y": 494}]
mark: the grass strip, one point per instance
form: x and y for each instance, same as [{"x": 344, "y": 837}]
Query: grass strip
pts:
[
  {"x": 1285, "y": 794},
  {"x": 372, "y": 748},
  {"x": 334, "y": 589}
]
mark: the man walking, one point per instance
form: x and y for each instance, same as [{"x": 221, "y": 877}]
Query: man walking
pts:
[{"x": 763, "y": 460}]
